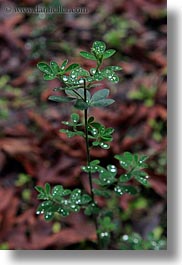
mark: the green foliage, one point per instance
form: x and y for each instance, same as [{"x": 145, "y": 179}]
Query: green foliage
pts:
[
  {"x": 158, "y": 127},
  {"x": 99, "y": 99},
  {"x": 4, "y": 246},
  {"x": 76, "y": 87},
  {"x": 134, "y": 166},
  {"x": 53, "y": 70},
  {"x": 22, "y": 179},
  {"x": 144, "y": 94},
  {"x": 136, "y": 242},
  {"x": 60, "y": 200},
  {"x": 120, "y": 32}
]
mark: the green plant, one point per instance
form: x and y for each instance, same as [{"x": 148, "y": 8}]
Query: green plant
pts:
[
  {"x": 135, "y": 242},
  {"x": 77, "y": 84},
  {"x": 158, "y": 127},
  {"x": 145, "y": 94},
  {"x": 121, "y": 30}
]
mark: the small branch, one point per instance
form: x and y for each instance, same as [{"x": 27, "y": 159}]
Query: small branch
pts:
[
  {"x": 88, "y": 160},
  {"x": 87, "y": 142}
]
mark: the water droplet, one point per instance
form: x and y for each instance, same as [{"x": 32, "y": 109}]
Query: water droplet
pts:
[
  {"x": 103, "y": 145},
  {"x": 125, "y": 237},
  {"x": 65, "y": 78},
  {"x": 112, "y": 168},
  {"x": 38, "y": 212},
  {"x": 118, "y": 189},
  {"x": 135, "y": 240},
  {"x": 146, "y": 177},
  {"x": 81, "y": 81},
  {"x": 104, "y": 234}
]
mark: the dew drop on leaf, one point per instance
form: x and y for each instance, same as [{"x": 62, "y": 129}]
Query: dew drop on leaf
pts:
[{"x": 125, "y": 237}]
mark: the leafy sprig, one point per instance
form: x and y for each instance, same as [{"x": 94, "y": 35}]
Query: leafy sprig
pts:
[{"x": 76, "y": 87}]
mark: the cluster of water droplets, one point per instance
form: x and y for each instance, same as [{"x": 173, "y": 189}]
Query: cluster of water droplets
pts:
[{"x": 104, "y": 234}]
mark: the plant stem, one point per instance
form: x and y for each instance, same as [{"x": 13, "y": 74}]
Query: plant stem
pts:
[
  {"x": 88, "y": 158},
  {"x": 87, "y": 142}
]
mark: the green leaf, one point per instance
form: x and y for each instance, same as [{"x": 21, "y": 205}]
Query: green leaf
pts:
[
  {"x": 100, "y": 94},
  {"x": 63, "y": 212},
  {"x": 94, "y": 162},
  {"x": 81, "y": 93},
  {"x": 42, "y": 193},
  {"x": 75, "y": 118},
  {"x": 45, "y": 68},
  {"x": 108, "y": 53},
  {"x": 110, "y": 75},
  {"x": 102, "y": 193},
  {"x": 54, "y": 67},
  {"x": 98, "y": 76},
  {"x": 126, "y": 160},
  {"x": 90, "y": 119},
  {"x": 71, "y": 67},
  {"x": 95, "y": 143},
  {"x": 141, "y": 177},
  {"x": 75, "y": 195},
  {"x": 57, "y": 192},
  {"x": 79, "y": 71},
  {"x": 66, "y": 192},
  {"x": 39, "y": 189},
  {"x": 71, "y": 93},
  {"x": 102, "y": 103},
  {"x": 44, "y": 206},
  {"x": 88, "y": 55},
  {"x": 105, "y": 224},
  {"x": 91, "y": 209},
  {"x": 60, "y": 99},
  {"x": 67, "y": 88},
  {"x": 109, "y": 131},
  {"x": 85, "y": 199},
  {"x": 98, "y": 47},
  {"x": 125, "y": 177},
  {"x": 96, "y": 125},
  {"x": 48, "y": 77},
  {"x": 71, "y": 133},
  {"x": 141, "y": 161},
  {"x": 48, "y": 216},
  {"x": 64, "y": 64},
  {"x": 47, "y": 188},
  {"x": 107, "y": 176},
  {"x": 81, "y": 104},
  {"x": 120, "y": 190}
]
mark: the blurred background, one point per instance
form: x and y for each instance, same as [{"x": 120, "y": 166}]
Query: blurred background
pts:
[{"x": 33, "y": 152}]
